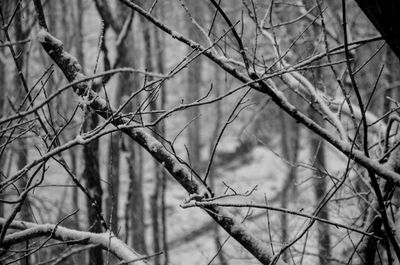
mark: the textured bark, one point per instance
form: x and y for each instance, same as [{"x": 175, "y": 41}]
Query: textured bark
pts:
[
  {"x": 136, "y": 204},
  {"x": 91, "y": 176},
  {"x": 155, "y": 224},
  {"x": 113, "y": 176}
]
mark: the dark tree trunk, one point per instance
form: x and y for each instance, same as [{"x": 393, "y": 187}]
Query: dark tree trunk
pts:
[
  {"x": 318, "y": 151},
  {"x": 22, "y": 150},
  {"x": 136, "y": 204},
  {"x": 3, "y": 94},
  {"x": 384, "y": 16},
  {"x": 91, "y": 175}
]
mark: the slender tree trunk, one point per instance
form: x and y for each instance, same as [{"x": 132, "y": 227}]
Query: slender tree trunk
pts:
[
  {"x": 75, "y": 190},
  {"x": 91, "y": 175},
  {"x": 79, "y": 11},
  {"x": 91, "y": 171},
  {"x": 290, "y": 149},
  {"x": 318, "y": 153},
  {"x": 22, "y": 150},
  {"x": 137, "y": 206},
  {"x": 114, "y": 158},
  {"x": 3, "y": 93},
  {"x": 79, "y": 26},
  {"x": 127, "y": 82},
  {"x": 194, "y": 82},
  {"x": 136, "y": 203},
  {"x": 155, "y": 220},
  {"x": 155, "y": 196},
  {"x": 113, "y": 181},
  {"x": 25, "y": 212},
  {"x": 159, "y": 44}
]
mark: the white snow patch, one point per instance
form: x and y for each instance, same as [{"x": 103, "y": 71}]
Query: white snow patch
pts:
[
  {"x": 175, "y": 34},
  {"x": 79, "y": 139},
  {"x": 45, "y": 37}
]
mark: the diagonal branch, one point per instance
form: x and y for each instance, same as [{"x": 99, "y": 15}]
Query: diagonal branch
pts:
[
  {"x": 259, "y": 84},
  {"x": 179, "y": 171}
]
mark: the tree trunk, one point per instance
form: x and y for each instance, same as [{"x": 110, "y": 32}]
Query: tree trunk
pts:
[
  {"x": 159, "y": 44},
  {"x": 91, "y": 175},
  {"x": 74, "y": 151},
  {"x": 318, "y": 154},
  {"x": 136, "y": 204},
  {"x": 164, "y": 174},
  {"x": 290, "y": 150},
  {"x": 384, "y": 16},
  {"x": 318, "y": 150},
  {"x": 194, "y": 83},
  {"x": 155, "y": 196},
  {"x": 22, "y": 150},
  {"x": 3, "y": 94},
  {"x": 127, "y": 82}
]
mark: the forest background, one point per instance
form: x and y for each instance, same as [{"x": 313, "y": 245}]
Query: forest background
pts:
[{"x": 200, "y": 132}]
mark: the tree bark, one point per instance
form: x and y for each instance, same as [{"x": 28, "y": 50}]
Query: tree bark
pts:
[{"x": 91, "y": 175}]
